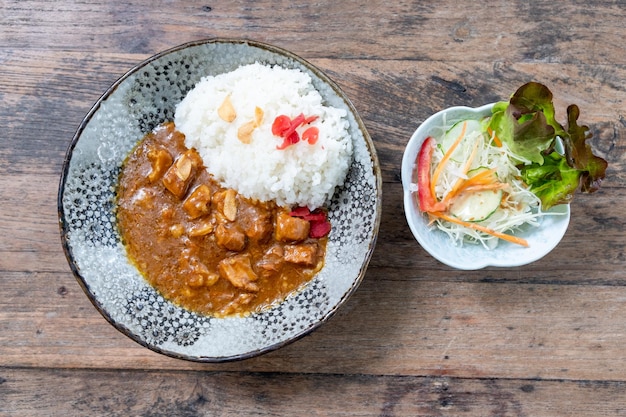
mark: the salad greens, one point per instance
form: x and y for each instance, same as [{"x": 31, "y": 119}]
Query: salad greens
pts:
[
  {"x": 527, "y": 124},
  {"x": 482, "y": 180}
]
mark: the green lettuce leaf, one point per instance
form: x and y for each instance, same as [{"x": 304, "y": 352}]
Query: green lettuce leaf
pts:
[{"x": 553, "y": 181}]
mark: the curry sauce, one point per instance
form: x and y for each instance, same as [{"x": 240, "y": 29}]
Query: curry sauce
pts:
[{"x": 206, "y": 247}]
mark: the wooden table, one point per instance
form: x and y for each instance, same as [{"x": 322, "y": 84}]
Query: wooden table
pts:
[{"x": 417, "y": 338}]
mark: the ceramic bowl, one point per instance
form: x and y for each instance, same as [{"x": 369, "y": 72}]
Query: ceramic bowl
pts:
[
  {"x": 541, "y": 239},
  {"x": 139, "y": 101}
]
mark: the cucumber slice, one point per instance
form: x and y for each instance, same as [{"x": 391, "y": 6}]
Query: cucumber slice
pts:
[
  {"x": 476, "y": 206},
  {"x": 453, "y": 133}
]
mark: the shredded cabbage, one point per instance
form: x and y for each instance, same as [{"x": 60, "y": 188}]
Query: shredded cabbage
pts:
[{"x": 518, "y": 207}]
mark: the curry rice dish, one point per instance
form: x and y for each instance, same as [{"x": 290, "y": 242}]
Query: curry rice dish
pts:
[{"x": 208, "y": 247}]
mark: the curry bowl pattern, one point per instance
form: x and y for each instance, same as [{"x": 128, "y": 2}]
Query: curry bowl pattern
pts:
[{"x": 144, "y": 98}]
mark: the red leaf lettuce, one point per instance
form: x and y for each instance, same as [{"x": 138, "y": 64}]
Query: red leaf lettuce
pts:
[{"x": 527, "y": 124}]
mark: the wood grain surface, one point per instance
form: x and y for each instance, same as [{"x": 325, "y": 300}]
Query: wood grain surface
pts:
[{"x": 418, "y": 338}]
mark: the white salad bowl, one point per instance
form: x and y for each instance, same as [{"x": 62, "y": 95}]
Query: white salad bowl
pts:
[{"x": 469, "y": 256}]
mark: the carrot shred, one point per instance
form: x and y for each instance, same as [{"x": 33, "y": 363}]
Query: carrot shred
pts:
[
  {"x": 484, "y": 179},
  {"x": 499, "y": 235},
  {"x": 445, "y": 159},
  {"x": 485, "y": 187},
  {"x": 459, "y": 183},
  {"x": 496, "y": 139}
]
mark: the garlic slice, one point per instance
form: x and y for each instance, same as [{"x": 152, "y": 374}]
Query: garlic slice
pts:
[{"x": 226, "y": 111}]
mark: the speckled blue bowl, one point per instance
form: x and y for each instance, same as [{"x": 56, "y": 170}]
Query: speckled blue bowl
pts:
[{"x": 142, "y": 99}]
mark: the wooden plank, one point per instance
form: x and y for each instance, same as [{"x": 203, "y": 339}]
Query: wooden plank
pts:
[
  {"x": 505, "y": 31},
  {"x": 31, "y": 240},
  {"x": 165, "y": 393},
  {"x": 45, "y": 97},
  {"x": 411, "y": 322}
]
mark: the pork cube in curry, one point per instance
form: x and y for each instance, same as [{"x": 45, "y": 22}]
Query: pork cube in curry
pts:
[
  {"x": 236, "y": 304},
  {"x": 272, "y": 261},
  {"x": 228, "y": 236},
  {"x": 238, "y": 271},
  {"x": 255, "y": 221},
  {"x": 291, "y": 229},
  {"x": 198, "y": 203},
  {"x": 226, "y": 203},
  {"x": 302, "y": 254},
  {"x": 160, "y": 161},
  {"x": 178, "y": 177},
  {"x": 197, "y": 273},
  {"x": 201, "y": 227}
]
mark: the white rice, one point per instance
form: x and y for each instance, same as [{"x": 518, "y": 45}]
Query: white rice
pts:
[{"x": 300, "y": 175}]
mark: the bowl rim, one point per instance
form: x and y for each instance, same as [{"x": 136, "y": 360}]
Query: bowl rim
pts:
[
  {"x": 376, "y": 172},
  {"x": 412, "y": 216}
]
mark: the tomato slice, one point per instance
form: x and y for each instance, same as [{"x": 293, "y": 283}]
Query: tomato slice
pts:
[
  {"x": 281, "y": 124},
  {"x": 319, "y": 229},
  {"x": 292, "y": 139},
  {"x": 295, "y": 123},
  {"x": 427, "y": 201},
  {"x": 285, "y": 128},
  {"x": 300, "y": 212},
  {"x": 311, "y": 135}
]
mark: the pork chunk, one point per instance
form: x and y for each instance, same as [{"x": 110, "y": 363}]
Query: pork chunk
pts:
[
  {"x": 272, "y": 261},
  {"x": 255, "y": 221},
  {"x": 228, "y": 236},
  {"x": 226, "y": 203},
  {"x": 238, "y": 271},
  {"x": 302, "y": 254},
  {"x": 178, "y": 177},
  {"x": 199, "y": 274},
  {"x": 160, "y": 161},
  {"x": 237, "y": 303},
  {"x": 196, "y": 273},
  {"x": 291, "y": 229},
  {"x": 198, "y": 203}
]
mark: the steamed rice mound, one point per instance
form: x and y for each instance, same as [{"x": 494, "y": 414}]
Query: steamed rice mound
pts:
[{"x": 300, "y": 175}]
